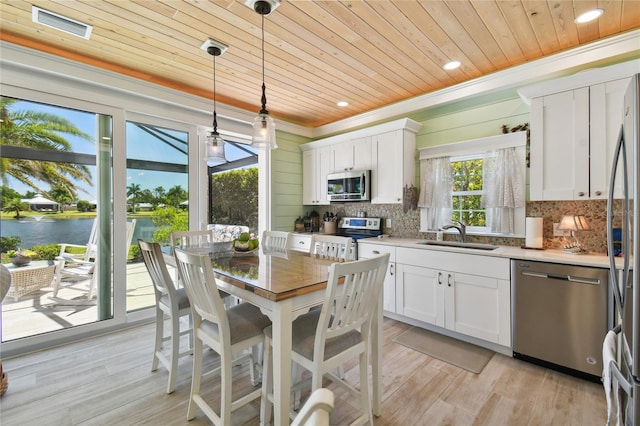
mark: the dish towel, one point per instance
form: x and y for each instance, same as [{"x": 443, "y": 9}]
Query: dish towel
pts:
[{"x": 610, "y": 389}]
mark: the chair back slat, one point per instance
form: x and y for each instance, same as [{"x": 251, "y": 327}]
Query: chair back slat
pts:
[
  {"x": 196, "y": 274},
  {"x": 275, "y": 241},
  {"x": 331, "y": 247},
  {"x": 157, "y": 268},
  {"x": 191, "y": 238},
  {"x": 350, "y": 305}
]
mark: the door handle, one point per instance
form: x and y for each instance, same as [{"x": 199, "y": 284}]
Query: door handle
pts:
[
  {"x": 439, "y": 278},
  {"x": 449, "y": 280}
]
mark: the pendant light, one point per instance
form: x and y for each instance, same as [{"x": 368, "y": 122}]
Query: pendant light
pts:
[
  {"x": 214, "y": 147},
  {"x": 264, "y": 128}
]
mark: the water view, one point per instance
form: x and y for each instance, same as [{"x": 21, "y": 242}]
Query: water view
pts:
[{"x": 44, "y": 230}]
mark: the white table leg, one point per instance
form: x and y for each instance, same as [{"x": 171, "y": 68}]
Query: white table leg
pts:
[
  {"x": 376, "y": 358},
  {"x": 282, "y": 319}
]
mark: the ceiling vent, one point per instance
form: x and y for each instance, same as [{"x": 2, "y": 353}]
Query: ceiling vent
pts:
[{"x": 60, "y": 22}]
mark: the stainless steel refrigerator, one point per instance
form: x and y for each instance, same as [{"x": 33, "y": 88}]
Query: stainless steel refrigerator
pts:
[{"x": 622, "y": 214}]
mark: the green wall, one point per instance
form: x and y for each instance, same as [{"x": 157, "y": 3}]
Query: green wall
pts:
[
  {"x": 471, "y": 119},
  {"x": 286, "y": 181}
]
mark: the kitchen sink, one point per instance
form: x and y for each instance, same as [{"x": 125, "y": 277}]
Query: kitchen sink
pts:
[{"x": 475, "y": 246}]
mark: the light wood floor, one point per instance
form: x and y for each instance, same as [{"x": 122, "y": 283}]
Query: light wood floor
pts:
[{"x": 107, "y": 381}]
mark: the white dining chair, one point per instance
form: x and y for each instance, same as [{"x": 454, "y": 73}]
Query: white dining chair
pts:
[
  {"x": 228, "y": 332},
  {"x": 277, "y": 241},
  {"x": 326, "y": 338},
  {"x": 316, "y": 410},
  {"x": 191, "y": 238},
  {"x": 332, "y": 247},
  {"x": 171, "y": 302}
]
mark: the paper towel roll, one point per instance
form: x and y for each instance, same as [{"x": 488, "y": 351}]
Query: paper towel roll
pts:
[{"x": 533, "y": 232}]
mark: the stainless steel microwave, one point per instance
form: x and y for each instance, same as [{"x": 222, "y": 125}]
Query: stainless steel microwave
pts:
[{"x": 349, "y": 186}]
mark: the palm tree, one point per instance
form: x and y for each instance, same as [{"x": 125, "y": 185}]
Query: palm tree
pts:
[
  {"x": 134, "y": 192},
  {"x": 40, "y": 131},
  {"x": 15, "y": 205},
  {"x": 61, "y": 195}
]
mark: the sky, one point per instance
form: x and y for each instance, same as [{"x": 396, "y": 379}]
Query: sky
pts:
[{"x": 140, "y": 145}]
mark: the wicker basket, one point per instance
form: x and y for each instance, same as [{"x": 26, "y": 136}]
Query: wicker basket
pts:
[{"x": 4, "y": 383}]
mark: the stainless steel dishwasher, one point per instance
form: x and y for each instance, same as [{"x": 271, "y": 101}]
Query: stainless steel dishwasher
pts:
[{"x": 560, "y": 316}]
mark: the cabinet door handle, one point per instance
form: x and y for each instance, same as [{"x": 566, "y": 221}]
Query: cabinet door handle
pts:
[
  {"x": 449, "y": 279},
  {"x": 580, "y": 194},
  {"x": 598, "y": 192},
  {"x": 439, "y": 278},
  {"x": 391, "y": 269}
]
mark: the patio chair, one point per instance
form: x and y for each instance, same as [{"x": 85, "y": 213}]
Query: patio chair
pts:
[
  {"x": 325, "y": 339},
  {"x": 81, "y": 267}
]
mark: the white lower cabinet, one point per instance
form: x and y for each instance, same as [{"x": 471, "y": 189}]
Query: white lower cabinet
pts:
[
  {"x": 300, "y": 242},
  {"x": 468, "y": 294},
  {"x": 367, "y": 251}
]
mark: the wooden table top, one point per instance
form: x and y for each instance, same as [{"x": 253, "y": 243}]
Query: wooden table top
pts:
[{"x": 275, "y": 276}]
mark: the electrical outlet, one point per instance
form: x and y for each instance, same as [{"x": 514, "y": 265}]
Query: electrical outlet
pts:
[
  {"x": 559, "y": 233},
  {"x": 388, "y": 223}
]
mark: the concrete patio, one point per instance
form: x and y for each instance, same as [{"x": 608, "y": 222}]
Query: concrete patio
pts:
[{"x": 40, "y": 312}]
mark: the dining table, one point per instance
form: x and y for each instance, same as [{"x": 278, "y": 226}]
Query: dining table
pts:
[{"x": 284, "y": 285}]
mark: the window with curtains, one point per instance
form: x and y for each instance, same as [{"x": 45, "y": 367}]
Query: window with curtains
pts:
[{"x": 480, "y": 183}]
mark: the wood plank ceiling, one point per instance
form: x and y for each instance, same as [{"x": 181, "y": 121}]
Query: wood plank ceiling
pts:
[{"x": 368, "y": 53}]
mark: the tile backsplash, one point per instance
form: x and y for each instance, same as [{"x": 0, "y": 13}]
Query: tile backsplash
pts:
[{"x": 407, "y": 225}]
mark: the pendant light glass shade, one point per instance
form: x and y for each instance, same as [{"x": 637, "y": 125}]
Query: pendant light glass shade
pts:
[
  {"x": 214, "y": 145},
  {"x": 264, "y": 132},
  {"x": 214, "y": 150},
  {"x": 264, "y": 128}
]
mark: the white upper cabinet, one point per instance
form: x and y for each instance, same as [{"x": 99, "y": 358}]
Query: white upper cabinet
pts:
[
  {"x": 605, "y": 108},
  {"x": 315, "y": 167},
  {"x": 575, "y": 122},
  {"x": 393, "y": 154},
  {"x": 351, "y": 155},
  {"x": 573, "y": 136},
  {"x": 388, "y": 150}
]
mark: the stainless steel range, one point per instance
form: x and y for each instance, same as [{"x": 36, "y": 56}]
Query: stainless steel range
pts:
[{"x": 358, "y": 228}]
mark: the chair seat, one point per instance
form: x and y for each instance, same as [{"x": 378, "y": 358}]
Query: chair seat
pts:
[
  {"x": 304, "y": 334},
  {"x": 245, "y": 321},
  {"x": 182, "y": 299}
]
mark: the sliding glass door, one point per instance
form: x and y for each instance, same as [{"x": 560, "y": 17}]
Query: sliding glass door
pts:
[{"x": 57, "y": 191}]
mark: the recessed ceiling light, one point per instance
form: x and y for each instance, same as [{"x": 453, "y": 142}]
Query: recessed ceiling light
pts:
[
  {"x": 451, "y": 65},
  {"x": 342, "y": 103},
  {"x": 589, "y": 16},
  {"x": 60, "y": 22}
]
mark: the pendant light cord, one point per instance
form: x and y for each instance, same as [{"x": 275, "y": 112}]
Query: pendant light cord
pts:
[
  {"x": 215, "y": 121},
  {"x": 264, "y": 96}
]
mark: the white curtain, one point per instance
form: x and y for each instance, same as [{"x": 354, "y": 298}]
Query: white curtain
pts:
[
  {"x": 503, "y": 188},
  {"x": 436, "y": 184}
]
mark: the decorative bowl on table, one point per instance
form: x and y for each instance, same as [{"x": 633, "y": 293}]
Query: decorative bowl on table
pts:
[
  {"x": 239, "y": 252},
  {"x": 245, "y": 245},
  {"x": 20, "y": 258}
]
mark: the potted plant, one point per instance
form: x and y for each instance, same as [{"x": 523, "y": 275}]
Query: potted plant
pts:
[{"x": 21, "y": 257}]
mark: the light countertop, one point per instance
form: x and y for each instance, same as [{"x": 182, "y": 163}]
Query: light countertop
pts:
[{"x": 598, "y": 260}]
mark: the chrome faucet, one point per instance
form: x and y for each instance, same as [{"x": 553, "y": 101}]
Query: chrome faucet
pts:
[{"x": 461, "y": 227}]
